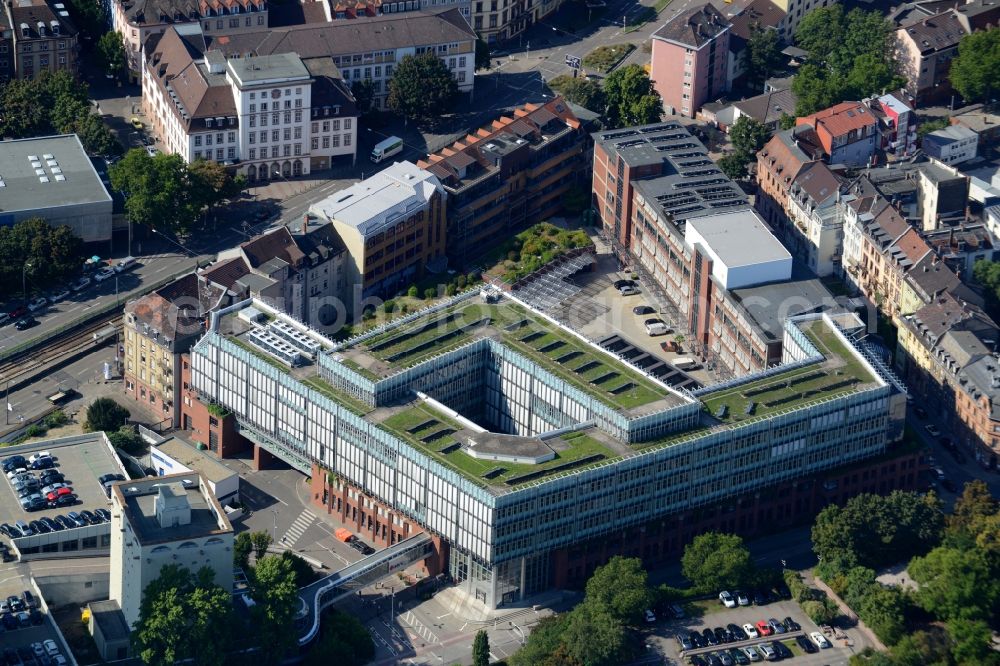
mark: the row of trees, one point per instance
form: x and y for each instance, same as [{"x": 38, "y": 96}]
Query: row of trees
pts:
[
  {"x": 851, "y": 56},
  {"x": 747, "y": 136},
  {"x": 975, "y": 73},
  {"x": 168, "y": 195},
  {"x": 627, "y": 97},
  {"x": 54, "y": 103},
  {"x": 46, "y": 255},
  {"x": 955, "y": 563}
]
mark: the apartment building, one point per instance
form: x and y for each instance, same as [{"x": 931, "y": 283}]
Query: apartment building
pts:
[
  {"x": 925, "y": 50},
  {"x": 136, "y": 20},
  {"x": 38, "y": 37},
  {"x": 896, "y": 123},
  {"x": 501, "y": 20},
  {"x": 336, "y": 10},
  {"x": 779, "y": 163},
  {"x": 690, "y": 59},
  {"x": 268, "y": 116},
  {"x": 847, "y": 132},
  {"x": 366, "y": 48},
  {"x": 158, "y": 329},
  {"x": 962, "y": 245},
  {"x": 794, "y": 11},
  {"x": 508, "y": 175},
  {"x": 393, "y": 226},
  {"x": 944, "y": 195},
  {"x": 951, "y": 145},
  {"x": 758, "y": 15},
  {"x": 817, "y": 218}
]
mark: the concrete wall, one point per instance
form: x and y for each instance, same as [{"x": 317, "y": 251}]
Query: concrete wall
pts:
[
  {"x": 89, "y": 221},
  {"x": 73, "y": 588}
]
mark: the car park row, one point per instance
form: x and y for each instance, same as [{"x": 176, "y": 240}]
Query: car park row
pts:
[
  {"x": 22, "y": 612},
  {"x": 48, "y": 489}
]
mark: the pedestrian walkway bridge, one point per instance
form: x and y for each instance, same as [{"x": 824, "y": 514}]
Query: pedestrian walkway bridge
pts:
[{"x": 326, "y": 591}]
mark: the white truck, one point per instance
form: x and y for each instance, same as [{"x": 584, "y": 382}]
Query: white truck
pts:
[{"x": 387, "y": 148}]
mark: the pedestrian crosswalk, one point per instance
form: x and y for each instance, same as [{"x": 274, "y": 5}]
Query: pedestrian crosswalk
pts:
[{"x": 298, "y": 528}]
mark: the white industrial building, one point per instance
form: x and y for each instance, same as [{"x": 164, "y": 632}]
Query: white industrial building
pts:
[
  {"x": 743, "y": 250},
  {"x": 165, "y": 520},
  {"x": 51, "y": 177},
  {"x": 175, "y": 456}
]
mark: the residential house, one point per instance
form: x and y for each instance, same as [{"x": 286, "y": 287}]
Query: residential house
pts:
[
  {"x": 952, "y": 145},
  {"x": 757, "y": 16},
  {"x": 38, "y": 37},
  {"x": 778, "y": 165},
  {"x": 817, "y": 217},
  {"x": 896, "y": 123},
  {"x": 944, "y": 195},
  {"x": 847, "y": 132},
  {"x": 925, "y": 49},
  {"x": 981, "y": 119},
  {"x": 159, "y": 328},
  {"x": 337, "y": 10},
  {"x": 508, "y": 175},
  {"x": 961, "y": 246},
  {"x": 393, "y": 226},
  {"x": 689, "y": 59},
  {"x": 768, "y": 108}
]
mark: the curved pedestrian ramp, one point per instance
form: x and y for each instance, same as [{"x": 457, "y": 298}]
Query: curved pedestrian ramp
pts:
[{"x": 326, "y": 591}]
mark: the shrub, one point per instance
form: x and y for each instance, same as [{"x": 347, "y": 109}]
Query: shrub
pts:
[
  {"x": 34, "y": 430},
  {"x": 105, "y": 414},
  {"x": 412, "y": 292},
  {"x": 389, "y": 305},
  {"x": 820, "y": 611},
  {"x": 56, "y": 419},
  {"x": 429, "y": 293},
  {"x": 451, "y": 289}
]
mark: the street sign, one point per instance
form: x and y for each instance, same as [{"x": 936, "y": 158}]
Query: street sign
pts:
[{"x": 573, "y": 61}]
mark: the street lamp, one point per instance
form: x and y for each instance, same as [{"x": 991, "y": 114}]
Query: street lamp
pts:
[
  {"x": 24, "y": 280},
  {"x": 274, "y": 528}
]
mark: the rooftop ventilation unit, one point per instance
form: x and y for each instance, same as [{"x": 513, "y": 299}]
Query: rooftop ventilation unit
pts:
[
  {"x": 270, "y": 343},
  {"x": 295, "y": 338}
]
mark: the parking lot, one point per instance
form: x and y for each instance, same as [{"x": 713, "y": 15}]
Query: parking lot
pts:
[
  {"x": 711, "y": 615},
  {"x": 19, "y": 636},
  {"x": 81, "y": 460}
]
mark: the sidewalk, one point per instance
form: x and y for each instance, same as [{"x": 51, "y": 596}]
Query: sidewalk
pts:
[{"x": 867, "y": 635}]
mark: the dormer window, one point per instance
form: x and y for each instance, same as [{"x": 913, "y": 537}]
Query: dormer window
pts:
[{"x": 208, "y": 122}]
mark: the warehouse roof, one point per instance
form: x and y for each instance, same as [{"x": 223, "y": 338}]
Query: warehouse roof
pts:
[{"x": 47, "y": 172}]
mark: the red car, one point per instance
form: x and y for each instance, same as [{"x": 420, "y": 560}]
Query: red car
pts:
[
  {"x": 56, "y": 494},
  {"x": 18, "y": 312},
  {"x": 764, "y": 628}
]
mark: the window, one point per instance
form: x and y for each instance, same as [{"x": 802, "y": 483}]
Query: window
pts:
[
  {"x": 275, "y": 118},
  {"x": 231, "y": 153},
  {"x": 298, "y": 133},
  {"x": 298, "y": 149},
  {"x": 253, "y": 121},
  {"x": 208, "y": 139},
  {"x": 461, "y": 61},
  {"x": 263, "y": 136},
  {"x": 274, "y": 151},
  {"x": 347, "y": 123},
  {"x": 218, "y": 24},
  {"x": 218, "y": 154},
  {"x": 252, "y": 137},
  {"x": 326, "y": 125},
  {"x": 220, "y": 138},
  {"x": 461, "y": 76},
  {"x": 260, "y": 20},
  {"x": 298, "y": 91},
  {"x": 253, "y": 153},
  {"x": 232, "y": 137},
  {"x": 253, "y": 108},
  {"x": 298, "y": 115},
  {"x": 263, "y": 105},
  {"x": 288, "y": 116},
  {"x": 347, "y": 139},
  {"x": 234, "y": 23},
  {"x": 326, "y": 142},
  {"x": 197, "y": 139},
  {"x": 314, "y": 143},
  {"x": 298, "y": 103},
  {"x": 197, "y": 155},
  {"x": 275, "y": 135}
]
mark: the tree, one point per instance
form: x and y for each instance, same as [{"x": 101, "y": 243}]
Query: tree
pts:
[
  {"x": 851, "y": 56},
  {"x": 975, "y": 73},
  {"x": 630, "y": 98},
  {"x": 242, "y": 547},
  {"x": 544, "y": 640},
  {"x": 764, "y": 48},
  {"x": 928, "y": 126},
  {"x": 870, "y": 657},
  {"x": 972, "y": 641},
  {"x": 483, "y": 58},
  {"x": 987, "y": 273},
  {"x": 183, "y": 617},
  {"x": 126, "y": 439},
  {"x": 481, "y": 649},
  {"x": 364, "y": 93},
  {"x": 734, "y": 165},
  {"x": 972, "y": 508},
  {"x": 923, "y": 648},
  {"x": 620, "y": 587},
  {"x": 748, "y": 135},
  {"x": 421, "y": 87},
  {"x": 211, "y": 184},
  {"x": 872, "y": 531},
  {"x": 786, "y": 121},
  {"x": 343, "y": 641},
  {"x": 956, "y": 584},
  {"x": 579, "y": 90},
  {"x": 304, "y": 573},
  {"x": 260, "y": 541},
  {"x": 157, "y": 189},
  {"x": 277, "y": 600},
  {"x": 105, "y": 414},
  {"x": 111, "y": 54},
  {"x": 883, "y": 609},
  {"x": 594, "y": 637},
  {"x": 715, "y": 561},
  {"x": 47, "y": 255}
]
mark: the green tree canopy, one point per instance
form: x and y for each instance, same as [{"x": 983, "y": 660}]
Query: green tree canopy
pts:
[
  {"x": 747, "y": 136},
  {"x": 242, "y": 547},
  {"x": 872, "y": 530},
  {"x": 343, "y": 641},
  {"x": 630, "y": 98},
  {"x": 421, "y": 87},
  {"x": 276, "y": 596},
  {"x": 105, "y": 414},
  {"x": 923, "y": 648},
  {"x": 579, "y": 90},
  {"x": 987, "y": 273},
  {"x": 764, "y": 57},
  {"x": 956, "y": 584},
  {"x": 975, "y": 73},
  {"x": 46, "y": 255},
  {"x": 620, "y": 586},
  {"x": 715, "y": 561},
  {"x": 183, "y": 617},
  {"x": 594, "y": 636},
  {"x": 851, "y": 56},
  {"x": 260, "y": 540},
  {"x": 111, "y": 54},
  {"x": 483, "y": 60},
  {"x": 972, "y": 643},
  {"x": 481, "y": 649},
  {"x": 364, "y": 93}
]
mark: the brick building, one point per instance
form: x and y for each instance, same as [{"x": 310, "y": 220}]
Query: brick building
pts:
[{"x": 846, "y": 131}]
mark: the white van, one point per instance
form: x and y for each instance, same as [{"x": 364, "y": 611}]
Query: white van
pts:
[
  {"x": 387, "y": 148},
  {"x": 125, "y": 264}
]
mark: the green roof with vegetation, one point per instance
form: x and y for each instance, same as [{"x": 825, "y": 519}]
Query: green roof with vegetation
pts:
[{"x": 434, "y": 434}]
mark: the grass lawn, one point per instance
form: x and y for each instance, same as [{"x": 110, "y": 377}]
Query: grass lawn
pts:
[
  {"x": 364, "y": 372},
  {"x": 603, "y": 58},
  {"x": 581, "y": 446},
  {"x": 318, "y": 383},
  {"x": 661, "y": 5}
]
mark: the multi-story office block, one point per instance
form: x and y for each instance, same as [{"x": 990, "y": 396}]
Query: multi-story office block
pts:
[
  {"x": 507, "y": 176},
  {"x": 393, "y": 227},
  {"x": 165, "y": 520},
  {"x": 690, "y": 59},
  {"x": 530, "y": 453},
  {"x": 42, "y": 39}
]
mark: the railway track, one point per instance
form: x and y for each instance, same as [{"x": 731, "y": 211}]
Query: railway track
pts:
[{"x": 23, "y": 367}]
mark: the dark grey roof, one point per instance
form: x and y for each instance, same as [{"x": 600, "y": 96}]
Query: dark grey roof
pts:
[
  {"x": 69, "y": 176},
  {"x": 771, "y": 304},
  {"x": 109, "y": 618},
  {"x": 153, "y": 12},
  {"x": 769, "y": 107},
  {"x": 694, "y": 28}
]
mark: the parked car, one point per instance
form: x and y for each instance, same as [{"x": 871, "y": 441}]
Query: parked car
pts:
[
  {"x": 65, "y": 522},
  {"x": 649, "y": 616},
  {"x": 807, "y": 645},
  {"x": 13, "y": 462},
  {"x": 36, "y": 616},
  {"x": 18, "y": 312},
  {"x": 933, "y": 430},
  {"x": 784, "y": 652},
  {"x": 721, "y": 635},
  {"x": 105, "y": 273},
  {"x": 66, "y": 500},
  {"x": 736, "y": 632},
  {"x": 103, "y": 514},
  {"x": 779, "y": 627},
  {"x": 819, "y": 639},
  {"x": 792, "y": 625},
  {"x": 709, "y": 637},
  {"x": 15, "y": 603},
  {"x": 25, "y": 323},
  {"x": 50, "y": 647},
  {"x": 643, "y": 310},
  {"x": 684, "y": 642},
  {"x": 629, "y": 291},
  {"x": 4, "y": 318},
  {"x": 764, "y": 628},
  {"x": 767, "y": 652},
  {"x": 105, "y": 478},
  {"x": 751, "y": 653},
  {"x": 741, "y": 598},
  {"x": 759, "y": 598},
  {"x": 727, "y": 599},
  {"x": 620, "y": 284},
  {"x": 38, "y": 304},
  {"x": 740, "y": 657},
  {"x": 50, "y": 477},
  {"x": 39, "y": 527},
  {"x": 43, "y": 463},
  {"x": 125, "y": 264},
  {"x": 53, "y": 525},
  {"x": 80, "y": 283},
  {"x": 53, "y": 487},
  {"x": 8, "y": 531},
  {"x": 724, "y": 658},
  {"x": 36, "y": 503},
  {"x": 136, "y": 123},
  {"x": 677, "y": 611},
  {"x": 89, "y": 517},
  {"x": 656, "y": 327},
  {"x": 59, "y": 294},
  {"x": 751, "y": 630}
]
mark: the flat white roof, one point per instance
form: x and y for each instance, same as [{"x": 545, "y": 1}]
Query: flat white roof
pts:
[
  {"x": 742, "y": 248},
  {"x": 390, "y": 195}
]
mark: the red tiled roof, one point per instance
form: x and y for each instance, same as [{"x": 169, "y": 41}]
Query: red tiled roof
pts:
[{"x": 840, "y": 119}]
